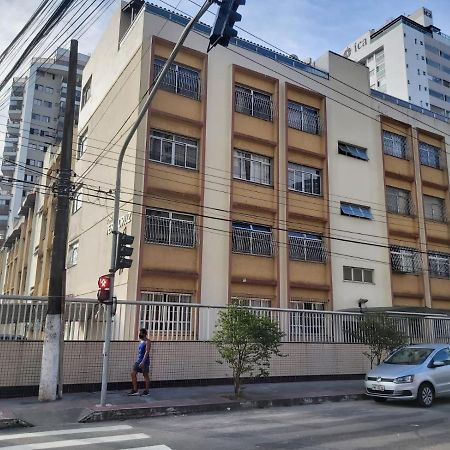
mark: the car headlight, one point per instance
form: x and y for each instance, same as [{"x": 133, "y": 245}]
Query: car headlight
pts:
[{"x": 405, "y": 379}]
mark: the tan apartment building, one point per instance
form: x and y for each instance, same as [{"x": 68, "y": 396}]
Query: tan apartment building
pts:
[{"x": 256, "y": 178}]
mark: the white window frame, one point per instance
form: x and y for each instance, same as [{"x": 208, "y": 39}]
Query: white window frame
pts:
[
  {"x": 77, "y": 201},
  {"x": 166, "y": 318},
  {"x": 430, "y": 155},
  {"x": 299, "y": 175},
  {"x": 253, "y": 97},
  {"x": 81, "y": 147},
  {"x": 308, "y": 117},
  {"x": 407, "y": 257},
  {"x": 304, "y": 246},
  {"x": 434, "y": 208},
  {"x": 251, "y": 167},
  {"x": 398, "y": 201},
  {"x": 367, "y": 275},
  {"x": 251, "y": 302},
  {"x": 176, "y": 142},
  {"x": 439, "y": 264},
  {"x": 73, "y": 254},
  {"x": 48, "y": 89},
  {"x": 395, "y": 145},
  {"x": 172, "y": 220},
  {"x": 259, "y": 237}
]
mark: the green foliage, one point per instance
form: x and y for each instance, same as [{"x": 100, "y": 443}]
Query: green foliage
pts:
[
  {"x": 380, "y": 333},
  {"x": 246, "y": 342}
]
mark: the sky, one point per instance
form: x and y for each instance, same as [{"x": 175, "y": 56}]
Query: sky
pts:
[{"x": 307, "y": 28}]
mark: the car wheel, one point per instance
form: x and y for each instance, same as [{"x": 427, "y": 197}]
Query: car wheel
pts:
[
  {"x": 380, "y": 399},
  {"x": 425, "y": 395}
]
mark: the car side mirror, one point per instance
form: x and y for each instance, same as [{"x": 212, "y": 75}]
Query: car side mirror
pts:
[{"x": 437, "y": 364}]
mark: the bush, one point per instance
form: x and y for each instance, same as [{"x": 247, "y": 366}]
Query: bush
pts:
[
  {"x": 246, "y": 342},
  {"x": 380, "y": 333}
]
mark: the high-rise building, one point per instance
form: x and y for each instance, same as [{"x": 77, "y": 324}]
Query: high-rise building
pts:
[
  {"x": 408, "y": 58},
  {"x": 36, "y": 117},
  {"x": 255, "y": 178}
]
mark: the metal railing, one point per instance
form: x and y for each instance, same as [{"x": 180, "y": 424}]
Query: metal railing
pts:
[
  {"x": 180, "y": 80},
  {"x": 304, "y": 119},
  {"x": 84, "y": 320},
  {"x": 399, "y": 201},
  {"x": 395, "y": 145},
  {"x": 301, "y": 249},
  {"x": 253, "y": 104},
  {"x": 173, "y": 232},
  {"x": 258, "y": 243},
  {"x": 405, "y": 260}
]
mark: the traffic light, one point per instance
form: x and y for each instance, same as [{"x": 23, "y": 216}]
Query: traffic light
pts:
[
  {"x": 104, "y": 283},
  {"x": 223, "y": 29},
  {"x": 124, "y": 250}
]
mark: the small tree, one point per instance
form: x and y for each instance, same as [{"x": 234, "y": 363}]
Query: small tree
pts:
[
  {"x": 380, "y": 333},
  {"x": 246, "y": 342}
]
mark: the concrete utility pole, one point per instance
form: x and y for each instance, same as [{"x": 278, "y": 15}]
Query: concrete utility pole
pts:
[
  {"x": 57, "y": 286},
  {"x": 115, "y": 230}
]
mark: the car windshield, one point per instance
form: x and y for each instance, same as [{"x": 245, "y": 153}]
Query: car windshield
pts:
[{"x": 409, "y": 356}]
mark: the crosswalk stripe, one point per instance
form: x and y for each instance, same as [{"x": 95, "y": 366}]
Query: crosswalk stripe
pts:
[
  {"x": 62, "y": 432},
  {"x": 152, "y": 447},
  {"x": 78, "y": 442}
]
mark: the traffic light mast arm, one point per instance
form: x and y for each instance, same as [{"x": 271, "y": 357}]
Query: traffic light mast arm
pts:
[{"x": 115, "y": 224}]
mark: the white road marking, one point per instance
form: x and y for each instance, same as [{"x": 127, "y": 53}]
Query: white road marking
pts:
[
  {"x": 62, "y": 432},
  {"x": 78, "y": 442},
  {"x": 152, "y": 447}
]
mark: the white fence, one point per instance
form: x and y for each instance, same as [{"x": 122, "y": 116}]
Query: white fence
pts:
[{"x": 84, "y": 320}]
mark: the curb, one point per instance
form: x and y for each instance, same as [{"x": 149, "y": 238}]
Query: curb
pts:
[
  {"x": 158, "y": 409},
  {"x": 9, "y": 420}
]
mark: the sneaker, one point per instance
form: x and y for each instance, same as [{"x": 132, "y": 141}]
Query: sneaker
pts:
[
  {"x": 133, "y": 393},
  {"x": 145, "y": 393}
]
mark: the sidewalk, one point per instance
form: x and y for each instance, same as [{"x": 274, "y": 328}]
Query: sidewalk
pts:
[{"x": 82, "y": 407}]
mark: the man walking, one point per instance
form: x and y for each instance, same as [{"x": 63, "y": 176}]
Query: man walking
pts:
[{"x": 142, "y": 364}]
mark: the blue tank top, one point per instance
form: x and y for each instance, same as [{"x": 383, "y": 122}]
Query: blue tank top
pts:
[{"x": 141, "y": 352}]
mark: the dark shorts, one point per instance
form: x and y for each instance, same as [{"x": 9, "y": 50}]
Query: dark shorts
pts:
[{"x": 144, "y": 369}]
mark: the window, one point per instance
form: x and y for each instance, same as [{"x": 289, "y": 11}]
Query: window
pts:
[
  {"x": 82, "y": 147},
  {"x": 350, "y": 209},
  {"x": 253, "y": 103},
  {"x": 429, "y": 155},
  {"x": 86, "y": 93},
  {"x": 39, "y": 87},
  {"x": 77, "y": 201},
  {"x": 358, "y": 274},
  {"x": 303, "y": 118},
  {"x": 29, "y": 178},
  {"x": 172, "y": 149},
  {"x": 306, "y": 321},
  {"x": 252, "y": 239},
  {"x": 73, "y": 254},
  {"x": 304, "y": 179},
  {"x": 166, "y": 318},
  {"x": 251, "y": 302},
  {"x": 37, "y": 102},
  {"x": 443, "y": 356},
  {"x": 436, "y": 94},
  {"x": 42, "y": 148},
  {"x": 170, "y": 228},
  {"x": 434, "y": 208},
  {"x": 35, "y": 116},
  {"x": 251, "y": 167},
  {"x": 47, "y": 104},
  {"x": 179, "y": 79},
  {"x": 306, "y": 247},
  {"x": 45, "y": 119},
  {"x": 394, "y": 145},
  {"x": 353, "y": 151},
  {"x": 405, "y": 259},
  {"x": 35, "y": 163},
  {"x": 398, "y": 201},
  {"x": 45, "y": 133},
  {"x": 434, "y": 64},
  {"x": 439, "y": 264},
  {"x": 48, "y": 90}
]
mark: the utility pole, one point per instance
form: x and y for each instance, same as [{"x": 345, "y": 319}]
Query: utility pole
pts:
[{"x": 57, "y": 286}]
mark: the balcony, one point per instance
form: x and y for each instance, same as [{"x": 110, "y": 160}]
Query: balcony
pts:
[
  {"x": 253, "y": 103},
  {"x": 170, "y": 231},
  {"x": 252, "y": 242},
  {"x": 306, "y": 249},
  {"x": 303, "y": 118},
  {"x": 406, "y": 260}
]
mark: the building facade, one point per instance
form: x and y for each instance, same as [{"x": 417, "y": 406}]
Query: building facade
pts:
[
  {"x": 255, "y": 178},
  {"x": 408, "y": 58},
  {"x": 36, "y": 117}
]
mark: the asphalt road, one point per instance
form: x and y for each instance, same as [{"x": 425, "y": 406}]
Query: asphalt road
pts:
[{"x": 330, "y": 426}]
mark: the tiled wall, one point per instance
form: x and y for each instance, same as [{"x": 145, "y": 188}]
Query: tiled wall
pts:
[{"x": 20, "y": 361}]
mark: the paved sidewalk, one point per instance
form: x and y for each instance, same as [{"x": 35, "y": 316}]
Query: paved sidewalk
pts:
[{"x": 174, "y": 400}]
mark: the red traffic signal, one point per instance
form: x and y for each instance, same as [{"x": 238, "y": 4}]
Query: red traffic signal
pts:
[{"x": 104, "y": 283}]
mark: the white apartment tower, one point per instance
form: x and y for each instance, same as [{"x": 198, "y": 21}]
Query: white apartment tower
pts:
[
  {"x": 35, "y": 122},
  {"x": 408, "y": 58}
]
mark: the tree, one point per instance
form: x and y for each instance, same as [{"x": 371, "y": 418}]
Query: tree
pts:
[
  {"x": 380, "y": 333},
  {"x": 246, "y": 342}
]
